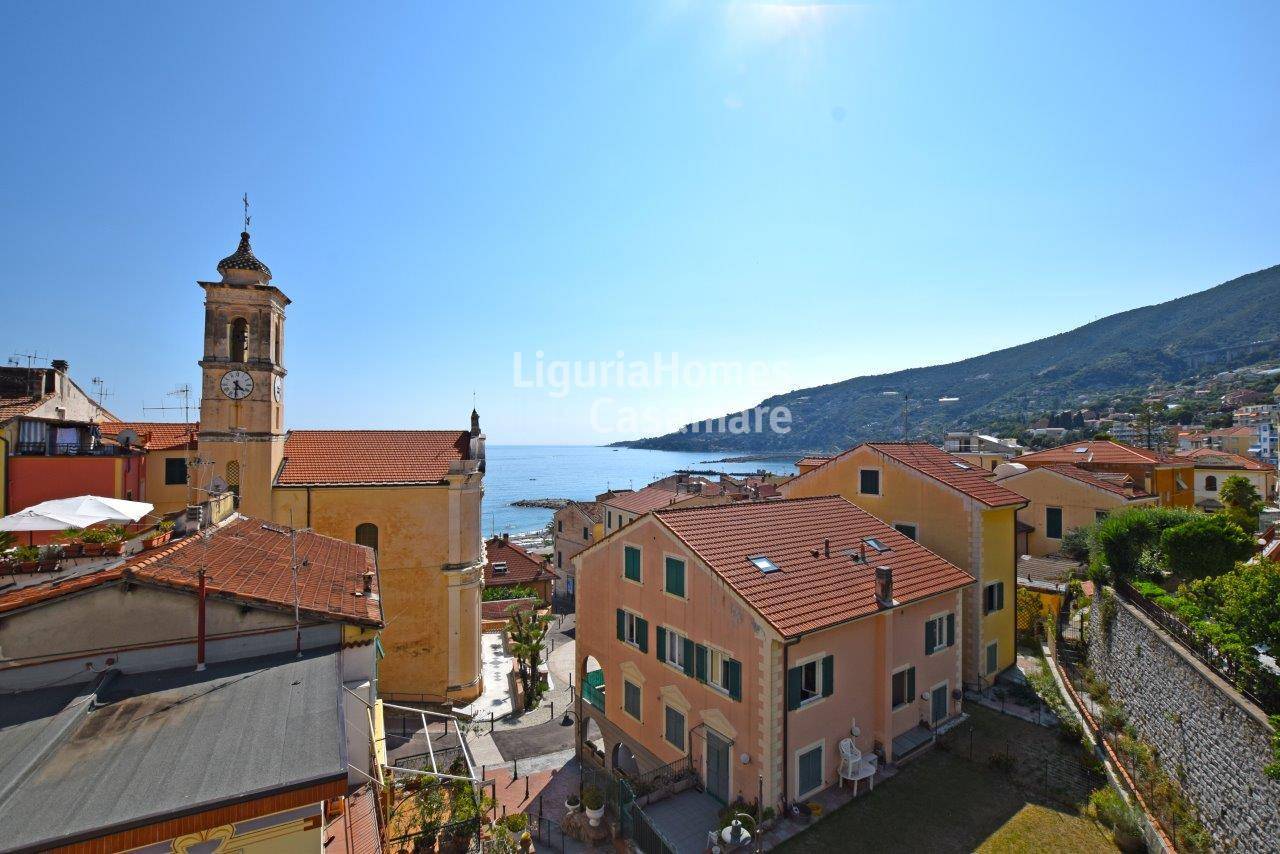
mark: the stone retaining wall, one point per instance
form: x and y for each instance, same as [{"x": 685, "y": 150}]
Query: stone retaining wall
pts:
[{"x": 1207, "y": 735}]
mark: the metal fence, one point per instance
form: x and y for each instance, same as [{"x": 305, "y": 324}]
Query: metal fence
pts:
[
  {"x": 620, "y": 798},
  {"x": 1260, "y": 687}
]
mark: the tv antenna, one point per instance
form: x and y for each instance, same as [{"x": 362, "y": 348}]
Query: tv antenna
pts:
[
  {"x": 100, "y": 389},
  {"x": 32, "y": 358},
  {"x": 183, "y": 391}
]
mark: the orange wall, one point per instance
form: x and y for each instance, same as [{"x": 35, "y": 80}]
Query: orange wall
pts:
[{"x": 36, "y": 479}]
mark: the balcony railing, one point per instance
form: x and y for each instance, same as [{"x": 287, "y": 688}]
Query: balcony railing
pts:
[{"x": 593, "y": 689}]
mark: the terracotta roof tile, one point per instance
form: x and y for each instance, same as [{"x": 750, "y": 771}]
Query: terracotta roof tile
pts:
[
  {"x": 12, "y": 407},
  {"x": 245, "y": 561},
  {"x": 1210, "y": 458},
  {"x": 644, "y": 500},
  {"x": 158, "y": 435},
  {"x": 811, "y": 460},
  {"x": 326, "y": 457},
  {"x": 954, "y": 472},
  {"x": 809, "y": 592},
  {"x": 1103, "y": 451},
  {"x": 522, "y": 567},
  {"x": 1121, "y": 485}
]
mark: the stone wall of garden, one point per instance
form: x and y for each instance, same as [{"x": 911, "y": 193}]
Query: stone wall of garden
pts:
[{"x": 1208, "y": 737}]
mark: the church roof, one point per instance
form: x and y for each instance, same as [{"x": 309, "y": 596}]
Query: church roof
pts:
[
  {"x": 244, "y": 260},
  {"x": 337, "y": 457}
]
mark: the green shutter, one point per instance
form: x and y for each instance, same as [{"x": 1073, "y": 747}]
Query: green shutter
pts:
[
  {"x": 930, "y": 636},
  {"x": 911, "y": 685},
  {"x": 735, "y": 679},
  {"x": 675, "y": 577},
  {"x": 828, "y": 675},
  {"x": 688, "y": 657},
  {"x": 642, "y": 634},
  {"x": 1000, "y": 587},
  {"x": 662, "y": 643},
  {"x": 951, "y": 629},
  {"x": 622, "y": 624},
  {"x": 700, "y": 659},
  {"x": 795, "y": 679},
  {"x": 631, "y": 563}
]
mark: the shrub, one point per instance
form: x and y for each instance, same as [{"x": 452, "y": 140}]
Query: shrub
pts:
[
  {"x": 27, "y": 554},
  {"x": 592, "y": 797},
  {"x": 1128, "y": 541},
  {"x": 1205, "y": 546},
  {"x": 515, "y": 822},
  {"x": 1077, "y": 544},
  {"x": 1242, "y": 502}
]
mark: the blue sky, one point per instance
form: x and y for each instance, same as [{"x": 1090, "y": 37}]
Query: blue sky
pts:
[{"x": 830, "y": 190}]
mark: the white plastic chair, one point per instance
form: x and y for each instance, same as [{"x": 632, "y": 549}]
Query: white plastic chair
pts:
[{"x": 855, "y": 766}]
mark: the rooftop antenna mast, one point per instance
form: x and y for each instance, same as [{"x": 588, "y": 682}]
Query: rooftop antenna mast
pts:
[
  {"x": 31, "y": 358},
  {"x": 100, "y": 386},
  {"x": 183, "y": 391}
]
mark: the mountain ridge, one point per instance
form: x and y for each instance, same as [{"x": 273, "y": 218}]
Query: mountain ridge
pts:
[{"x": 1163, "y": 342}]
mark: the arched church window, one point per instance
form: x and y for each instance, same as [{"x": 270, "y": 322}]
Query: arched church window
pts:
[
  {"x": 239, "y": 339},
  {"x": 1210, "y": 483},
  {"x": 367, "y": 535},
  {"x": 278, "y": 347}
]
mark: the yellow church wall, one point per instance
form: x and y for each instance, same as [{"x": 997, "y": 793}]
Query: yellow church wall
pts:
[{"x": 430, "y": 602}]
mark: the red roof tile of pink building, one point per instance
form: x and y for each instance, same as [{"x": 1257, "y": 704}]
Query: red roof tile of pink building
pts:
[
  {"x": 1116, "y": 484},
  {"x": 811, "y": 589},
  {"x": 157, "y": 435},
  {"x": 644, "y": 500},
  {"x": 329, "y": 457}
]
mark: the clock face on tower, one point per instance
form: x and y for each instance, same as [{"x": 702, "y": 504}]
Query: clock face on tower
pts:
[
  {"x": 279, "y": 389},
  {"x": 236, "y": 384}
]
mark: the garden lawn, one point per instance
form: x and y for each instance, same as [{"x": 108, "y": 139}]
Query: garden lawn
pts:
[{"x": 943, "y": 802}]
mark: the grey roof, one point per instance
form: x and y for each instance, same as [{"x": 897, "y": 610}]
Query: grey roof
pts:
[
  {"x": 244, "y": 259},
  {"x": 157, "y": 744},
  {"x": 1046, "y": 570}
]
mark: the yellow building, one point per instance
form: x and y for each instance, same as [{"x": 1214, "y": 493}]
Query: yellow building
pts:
[
  {"x": 414, "y": 496},
  {"x": 1062, "y": 498},
  {"x": 953, "y": 509}
]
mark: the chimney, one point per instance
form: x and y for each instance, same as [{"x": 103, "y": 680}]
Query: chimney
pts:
[
  {"x": 884, "y": 586},
  {"x": 60, "y": 365},
  {"x": 826, "y": 547},
  {"x": 506, "y": 538},
  {"x": 368, "y": 582}
]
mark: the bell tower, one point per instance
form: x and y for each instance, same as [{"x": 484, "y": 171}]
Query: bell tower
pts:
[{"x": 242, "y": 386}]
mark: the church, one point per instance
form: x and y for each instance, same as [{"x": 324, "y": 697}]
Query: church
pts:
[{"x": 413, "y": 496}]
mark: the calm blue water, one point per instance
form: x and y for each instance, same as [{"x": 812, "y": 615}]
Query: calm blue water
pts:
[{"x": 581, "y": 472}]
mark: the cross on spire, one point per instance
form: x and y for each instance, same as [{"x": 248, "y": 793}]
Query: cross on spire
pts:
[{"x": 247, "y": 218}]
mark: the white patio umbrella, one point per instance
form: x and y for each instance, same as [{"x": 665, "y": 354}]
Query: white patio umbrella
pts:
[
  {"x": 32, "y": 520},
  {"x": 94, "y": 507}
]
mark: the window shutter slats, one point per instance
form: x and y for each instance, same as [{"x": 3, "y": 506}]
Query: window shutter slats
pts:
[
  {"x": 930, "y": 637},
  {"x": 828, "y": 675},
  {"x": 661, "y": 634},
  {"x": 688, "y": 657},
  {"x": 735, "y": 679},
  {"x": 642, "y": 634},
  {"x": 911, "y": 685},
  {"x": 622, "y": 624},
  {"x": 795, "y": 683},
  {"x": 951, "y": 629},
  {"x": 700, "y": 659}
]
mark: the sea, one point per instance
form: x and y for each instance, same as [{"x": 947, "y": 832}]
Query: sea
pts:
[{"x": 581, "y": 472}]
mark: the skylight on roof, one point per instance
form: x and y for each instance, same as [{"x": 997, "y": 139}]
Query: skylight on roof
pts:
[
  {"x": 1080, "y": 450},
  {"x": 500, "y": 567},
  {"x": 763, "y": 564},
  {"x": 876, "y": 544},
  {"x": 961, "y": 465}
]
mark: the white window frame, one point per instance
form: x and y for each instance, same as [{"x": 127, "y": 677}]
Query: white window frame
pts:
[
  {"x": 940, "y": 634},
  {"x": 715, "y": 674},
  {"x": 910, "y": 699},
  {"x": 820, "y": 744},
  {"x": 667, "y": 659},
  {"x": 629, "y": 627},
  {"x": 818, "y": 683},
  {"x": 879, "y": 480}
]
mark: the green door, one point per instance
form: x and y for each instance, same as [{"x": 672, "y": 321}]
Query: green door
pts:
[{"x": 717, "y": 767}]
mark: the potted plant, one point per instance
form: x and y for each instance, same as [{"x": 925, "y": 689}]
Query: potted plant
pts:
[
  {"x": 28, "y": 558},
  {"x": 70, "y": 540},
  {"x": 163, "y": 532},
  {"x": 97, "y": 540},
  {"x": 572, "y": 803},
  {"x": 593, "y": 804}
]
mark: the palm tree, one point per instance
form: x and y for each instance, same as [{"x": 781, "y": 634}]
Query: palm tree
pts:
[{"x": 527, "y": 631}]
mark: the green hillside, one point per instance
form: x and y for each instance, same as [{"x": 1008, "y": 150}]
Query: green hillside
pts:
[{"x": 1233, "y": 323}]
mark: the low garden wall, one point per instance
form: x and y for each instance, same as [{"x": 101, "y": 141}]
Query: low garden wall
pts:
[{"x": 1212, "y": 740}]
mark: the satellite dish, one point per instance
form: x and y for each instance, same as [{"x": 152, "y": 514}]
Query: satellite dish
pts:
[
  {"x": 218, "y": 485},
  {"x": 128, "y": 436}
]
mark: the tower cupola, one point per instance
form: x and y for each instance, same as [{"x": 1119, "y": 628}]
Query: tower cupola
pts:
[{"x": 242, "y": 267}]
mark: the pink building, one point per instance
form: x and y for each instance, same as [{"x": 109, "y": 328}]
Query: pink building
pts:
[{"x": 750, "y": 638}]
